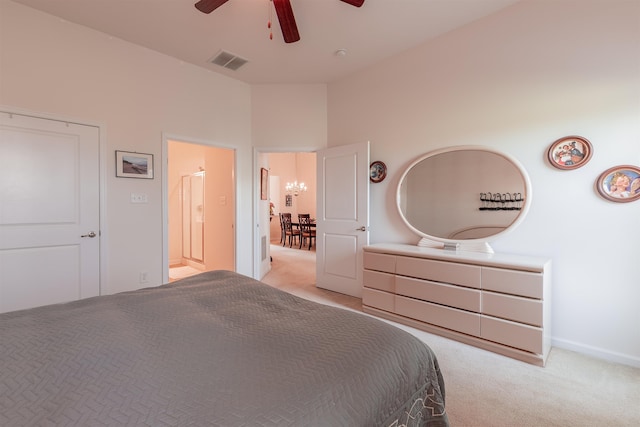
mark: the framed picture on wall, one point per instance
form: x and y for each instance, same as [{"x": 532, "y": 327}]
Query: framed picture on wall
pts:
[
  {"x": 264, "y": 178},
  {"x": 570, "y": 152},
  {"x": 620, "y": 184},
  {"x": 134, "y": 165}
]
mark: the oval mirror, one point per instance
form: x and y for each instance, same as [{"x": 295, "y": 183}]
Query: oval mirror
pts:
[{"x": 463, "y": 197}]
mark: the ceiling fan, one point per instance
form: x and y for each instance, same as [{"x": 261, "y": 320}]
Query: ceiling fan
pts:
[{"x": 283, "y": 10}]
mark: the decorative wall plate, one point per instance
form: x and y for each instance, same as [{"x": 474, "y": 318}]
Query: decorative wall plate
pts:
[
  {"x": 620, "y": 184},
  {"x": 377, "y": 171},
  {"x": 570, "y": 152}
]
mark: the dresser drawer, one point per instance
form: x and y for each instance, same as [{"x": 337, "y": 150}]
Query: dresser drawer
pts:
[
  {"x": 518, "y": 309},
  {"x": 513, "y": 282},
  {"x": 446, "y": 317},
  {"x": 378, "y": 299},
  {"x": 439, "y": 271},
  {"x": 441, "y": 293},
  {"x": 378, "y": 280},
  {"x": 516, "y": 335},
  {"x": 379, "y": 262}
]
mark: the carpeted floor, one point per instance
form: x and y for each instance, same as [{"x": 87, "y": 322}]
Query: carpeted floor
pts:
[
  {"x": 485, "y": 389},
  {"x": 294, "y": 270}
]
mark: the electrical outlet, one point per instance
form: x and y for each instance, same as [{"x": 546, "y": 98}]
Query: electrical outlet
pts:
[{"x": 143, "y": 277}]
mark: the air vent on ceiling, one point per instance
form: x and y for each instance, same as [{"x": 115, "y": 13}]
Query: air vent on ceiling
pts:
[{"x": 228, "y": 60}]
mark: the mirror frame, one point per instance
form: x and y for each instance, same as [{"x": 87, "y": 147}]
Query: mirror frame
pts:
[{"x": 476, "y": 245}]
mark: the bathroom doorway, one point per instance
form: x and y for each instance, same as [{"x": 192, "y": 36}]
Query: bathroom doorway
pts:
[{"x": 201, "y": 208}]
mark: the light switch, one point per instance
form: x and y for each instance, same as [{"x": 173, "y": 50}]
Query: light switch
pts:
[{"x": 139, "y": 198}]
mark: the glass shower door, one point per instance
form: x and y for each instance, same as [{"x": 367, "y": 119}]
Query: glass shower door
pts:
[{"x": 193, "y": 216}]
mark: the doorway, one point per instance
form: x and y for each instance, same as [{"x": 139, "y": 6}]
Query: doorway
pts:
[
  {"x": 200, "y": 195},
  {"x": 287, "y": 168},
  {"x": 341, "y": 190}
]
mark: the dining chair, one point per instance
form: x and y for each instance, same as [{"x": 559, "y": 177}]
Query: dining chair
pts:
[
  {"x": 289, "y": 231},
  {"x": 282, "y": 233},
  {"x": 307, "y": 230}
]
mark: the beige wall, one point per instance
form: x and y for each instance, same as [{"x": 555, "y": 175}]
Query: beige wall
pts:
[
  {"x": 289, "y": 117},
  {"x": 137, "y": 96},
  {"x": 290, "y": 167},
  {"x": 517, "y": 81}
]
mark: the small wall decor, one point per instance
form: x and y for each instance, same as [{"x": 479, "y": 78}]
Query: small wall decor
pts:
[
  {"x": 264, "y": 183},
  {"x": 570, "y": 152},
  {"x": 620, "y": 184},
  {"x": 288, "y": 200},
  {"x": 377, "y": 171},
  {"x": 134, "y": 165}
]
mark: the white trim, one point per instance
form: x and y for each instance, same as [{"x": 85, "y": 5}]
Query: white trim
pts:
[
  {"x": 102, "y": 176},
  {"x": 164, "y": 165},
  {"x": 599, "y": 353},
  {"x": 255, "y": 230},
  {"x": 255, "y": 198},
  {"x": 165, "y": 202}
]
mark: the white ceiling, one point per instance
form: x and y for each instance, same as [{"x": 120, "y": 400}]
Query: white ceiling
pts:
[{"x": 377, "y": 30}]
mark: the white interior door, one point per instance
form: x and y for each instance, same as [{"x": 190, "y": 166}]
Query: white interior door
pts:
[
  {"x": 343, "y": 217},
  {"x": 49, "y": 212}
]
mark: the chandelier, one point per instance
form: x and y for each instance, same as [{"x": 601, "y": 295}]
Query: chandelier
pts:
[{"x": 295, "y": 188}]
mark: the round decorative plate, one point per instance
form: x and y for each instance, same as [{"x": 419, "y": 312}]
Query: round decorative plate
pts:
[
  {"x": 570, "y": 152},
  {"x": 377, "y": 171}
]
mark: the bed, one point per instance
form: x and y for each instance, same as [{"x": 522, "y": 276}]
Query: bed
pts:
[{"x": 216, "y": 349}]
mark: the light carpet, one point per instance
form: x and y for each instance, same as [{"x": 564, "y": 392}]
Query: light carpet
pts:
[{"x": 485, "y": 389}]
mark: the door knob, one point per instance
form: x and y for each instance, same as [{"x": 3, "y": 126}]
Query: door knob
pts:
[
  {"x": 363, "y": 228},
  {"x": 91, "y": 234}
]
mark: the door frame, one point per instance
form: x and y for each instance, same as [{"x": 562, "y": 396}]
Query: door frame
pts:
[
  {"x": 166, "y": 136},
  {"x": 257, "y": 273},
  {"x": 102, "y": 185}
]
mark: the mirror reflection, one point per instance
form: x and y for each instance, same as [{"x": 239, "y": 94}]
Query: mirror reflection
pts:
[{"x": 443, "y": 195}]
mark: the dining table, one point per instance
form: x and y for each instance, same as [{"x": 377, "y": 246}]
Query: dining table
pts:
[{"x": 297, "y": 224}]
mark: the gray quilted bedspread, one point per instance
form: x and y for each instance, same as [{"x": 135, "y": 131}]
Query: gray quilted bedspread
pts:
[{"x": 217, "y": 349}]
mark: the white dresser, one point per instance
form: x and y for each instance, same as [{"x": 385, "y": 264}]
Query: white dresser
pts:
[{"x": 497, "y": 302}]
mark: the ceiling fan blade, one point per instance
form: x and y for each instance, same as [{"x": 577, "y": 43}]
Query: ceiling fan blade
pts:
[
  {"x": 208, "y": 6},
  {"x": 287, "y": 20},
  {"x": 356, "y": 3}
]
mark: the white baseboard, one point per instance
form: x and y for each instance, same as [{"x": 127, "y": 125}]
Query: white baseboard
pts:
[{"x": 599, "y": 353}]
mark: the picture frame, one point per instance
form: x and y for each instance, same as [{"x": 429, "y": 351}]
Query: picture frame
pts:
[
  {"x": 134, "y": 165},
  {"x": 569, "y": 152},
  {"x": 264, "y": 182},
  {"x": 620, "y": 184}
]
